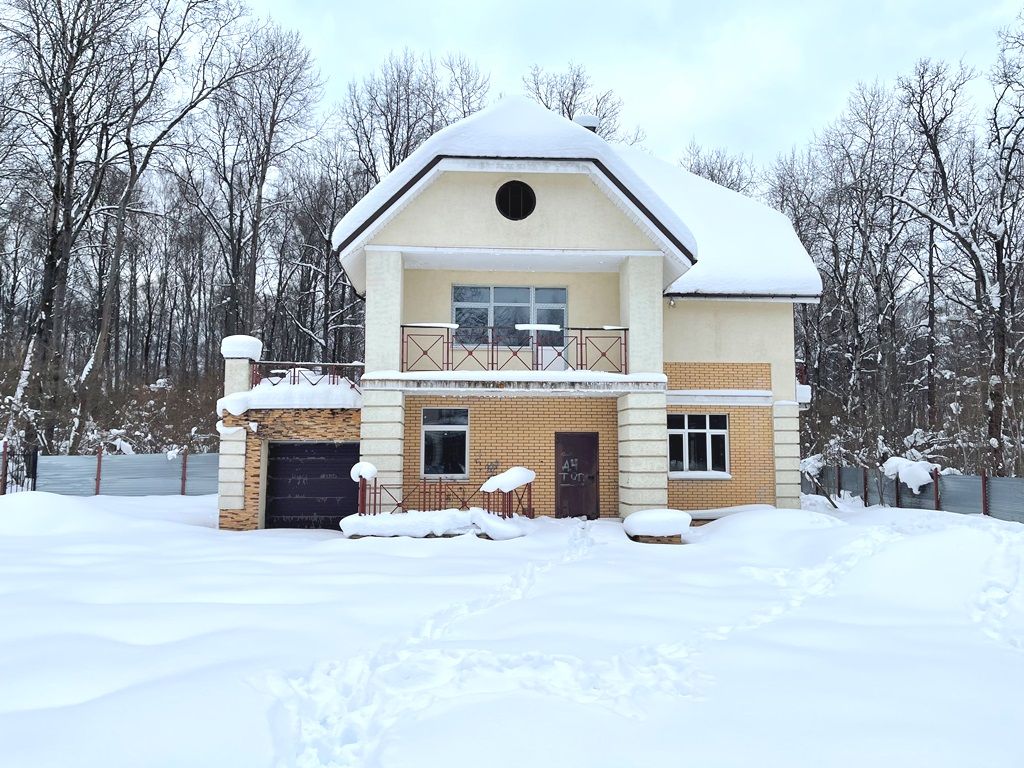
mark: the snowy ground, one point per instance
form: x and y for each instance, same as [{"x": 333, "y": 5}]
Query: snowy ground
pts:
[{"x": 133, "y": 634}]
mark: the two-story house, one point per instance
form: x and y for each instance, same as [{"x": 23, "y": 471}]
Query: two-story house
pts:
[{"x": 536, "y": 296}]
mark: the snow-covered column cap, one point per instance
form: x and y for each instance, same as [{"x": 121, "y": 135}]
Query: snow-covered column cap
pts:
[{"x": 241, "y": 348}]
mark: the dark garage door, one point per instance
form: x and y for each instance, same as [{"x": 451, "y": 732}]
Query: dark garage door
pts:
[{"x": 308, "y": 484}]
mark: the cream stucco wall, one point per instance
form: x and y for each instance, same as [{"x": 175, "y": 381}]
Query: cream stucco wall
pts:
[
  {"x": 458, "y": 210},
  {"x": 707, "y": 331},
  {"x": 383, "y": 310},
  {"x": 639, "y": 299},
  {"x": 593, "y": 296}
]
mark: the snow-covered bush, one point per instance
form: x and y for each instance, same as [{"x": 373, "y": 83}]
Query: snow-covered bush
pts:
[{"x": 913, "y": 474}]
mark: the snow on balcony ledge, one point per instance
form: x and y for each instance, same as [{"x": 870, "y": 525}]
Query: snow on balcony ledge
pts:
[
  {"x": 537, "y": 382},
  {"x": 498, "y": 382},
  {"x": 267, "y": 395},
  {"x": 542, "y": 376}
]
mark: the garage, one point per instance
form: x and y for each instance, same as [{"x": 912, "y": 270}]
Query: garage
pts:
[{"x": 308, "y": 484}]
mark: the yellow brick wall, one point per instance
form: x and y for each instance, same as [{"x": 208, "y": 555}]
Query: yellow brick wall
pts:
[
  {"x": 719, "y": 375},
  {"x": 520, "y": 431},
  {"x": 751, "y": 462},
  {"x": 313, "y": 424}
]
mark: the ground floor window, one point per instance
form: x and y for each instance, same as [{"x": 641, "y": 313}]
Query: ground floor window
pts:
[
  {"x": 445, "y": 442},
  {"x": 698, "y": 442}
]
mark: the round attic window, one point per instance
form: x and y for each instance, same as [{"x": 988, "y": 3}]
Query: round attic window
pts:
[{"x": 515, "y": 200}]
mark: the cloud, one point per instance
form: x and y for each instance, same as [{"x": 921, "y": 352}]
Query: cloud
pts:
[{"x": 755, "y": 77}]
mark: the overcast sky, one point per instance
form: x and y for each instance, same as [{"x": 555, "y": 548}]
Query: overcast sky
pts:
[{"x": 756, "y": 77}]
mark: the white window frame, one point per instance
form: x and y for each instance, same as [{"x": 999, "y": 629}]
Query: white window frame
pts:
[
  {"x": 424, "y": 428},
  {"x": 533, "y": 304},
  {"x": 707, "y": 432}
]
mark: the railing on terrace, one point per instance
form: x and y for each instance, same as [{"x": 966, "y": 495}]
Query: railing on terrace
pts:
[
  {"x": 427, "y": 495},
  {"x": 441, "y": 347},
  {"x": 274, "y": 372}
]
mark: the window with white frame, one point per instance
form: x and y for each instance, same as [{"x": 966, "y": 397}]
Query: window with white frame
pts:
[
  {"x": 444, "y": 442},
  {"x": 698, "y": 442},
  {"x": 476, "y": 308}
]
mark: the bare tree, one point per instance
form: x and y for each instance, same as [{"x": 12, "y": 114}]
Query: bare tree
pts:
[
  {"x": 390, "y": 113},
  {"x": 178, "y": 56},
  {"x": 737, "y": 172},
  {"x": 230, "y": 167},
  {"x": 976, "y": 189},
  {"x": 62, "y": 63},
  {"x": 572, "y": 92}
]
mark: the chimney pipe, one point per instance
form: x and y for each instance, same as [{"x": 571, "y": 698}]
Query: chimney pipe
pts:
[{"x": 590, "y": 122}]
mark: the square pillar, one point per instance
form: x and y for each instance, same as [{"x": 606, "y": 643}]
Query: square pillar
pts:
[
  {"x": 382, "y": 436},
  {"x": 239, "y": 352},
  {"x": 383, "y": 311},
  {"x": 643, "y": 452},
  {"x": 786, "y": 421},
  {"x": 640, "y": 308}
]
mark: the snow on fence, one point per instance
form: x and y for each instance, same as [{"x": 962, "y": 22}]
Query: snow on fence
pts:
[
  {"x": 138, "y": 475},
  {"x": 1001, "y": 497},
  {"x": 377, "y": 498}
]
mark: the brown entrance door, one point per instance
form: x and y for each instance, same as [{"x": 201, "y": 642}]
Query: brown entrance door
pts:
[{"x": 576, "y": 493}]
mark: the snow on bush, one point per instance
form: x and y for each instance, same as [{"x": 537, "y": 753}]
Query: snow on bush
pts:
[
  {"x": 657, "y": 522},
  {"x": 913, "y": 474},
  {"x": 241, "y": 347},
  {"x": 441, "y": 522},
  {"x": 719, "y": 512},
  {"x": 812, "y": 465},
  {"x": 757, "y": 527},
  {"x": 509, "y": 480},
  {"x": 362, "y": 470}
]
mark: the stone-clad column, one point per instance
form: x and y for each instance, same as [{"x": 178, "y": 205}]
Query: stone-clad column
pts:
[
  {"x": 238, "y": 352},
  {"x": 787, "y": 454},
  {"x": 382, "y": 436},
  {"x": 643, "y": 452}
]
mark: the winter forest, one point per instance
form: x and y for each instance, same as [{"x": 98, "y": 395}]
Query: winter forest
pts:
[{"x": 170, "y": 172}]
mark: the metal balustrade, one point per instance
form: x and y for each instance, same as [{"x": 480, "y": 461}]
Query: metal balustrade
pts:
[{"x": 427, "y": 347}]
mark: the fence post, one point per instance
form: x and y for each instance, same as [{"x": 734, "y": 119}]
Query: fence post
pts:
[
  {"x": 864, "y": 484},
  {"x": 935, "y": 482},
  {"x": 99, "y": 468},
  {"x": 984, "y": 492},
  {"x": 896, "y": 485},
  {"x": 184, "y": 470},
  {"x": 839, "y": 484},
  {"x": 362, "y": 495},
  {"x": 3, "y": 469}
]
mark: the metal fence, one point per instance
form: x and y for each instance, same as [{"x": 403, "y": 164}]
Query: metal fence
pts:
[
  {"x": 17, "y": 470},
  {"x": 138, "y": 475},
  {"x": 1001, "y": 497}
]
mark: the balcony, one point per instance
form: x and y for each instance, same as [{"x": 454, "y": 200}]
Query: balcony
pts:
[
  {"x": 280, "y": 373},
  {"x": 428, "y": 347}
]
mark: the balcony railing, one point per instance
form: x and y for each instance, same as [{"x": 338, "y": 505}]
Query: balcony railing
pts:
[
  {"x": 442, "y": 347},
  {"x": 275, "y": 372}
]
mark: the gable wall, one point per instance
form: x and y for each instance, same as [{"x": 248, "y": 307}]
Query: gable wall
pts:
[{"x": 458, "y": 210}]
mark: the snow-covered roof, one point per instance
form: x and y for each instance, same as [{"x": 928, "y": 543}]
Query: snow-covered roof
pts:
[
  {"x": 743, "y": 246},
  {"x": 736, "y": 245}
]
